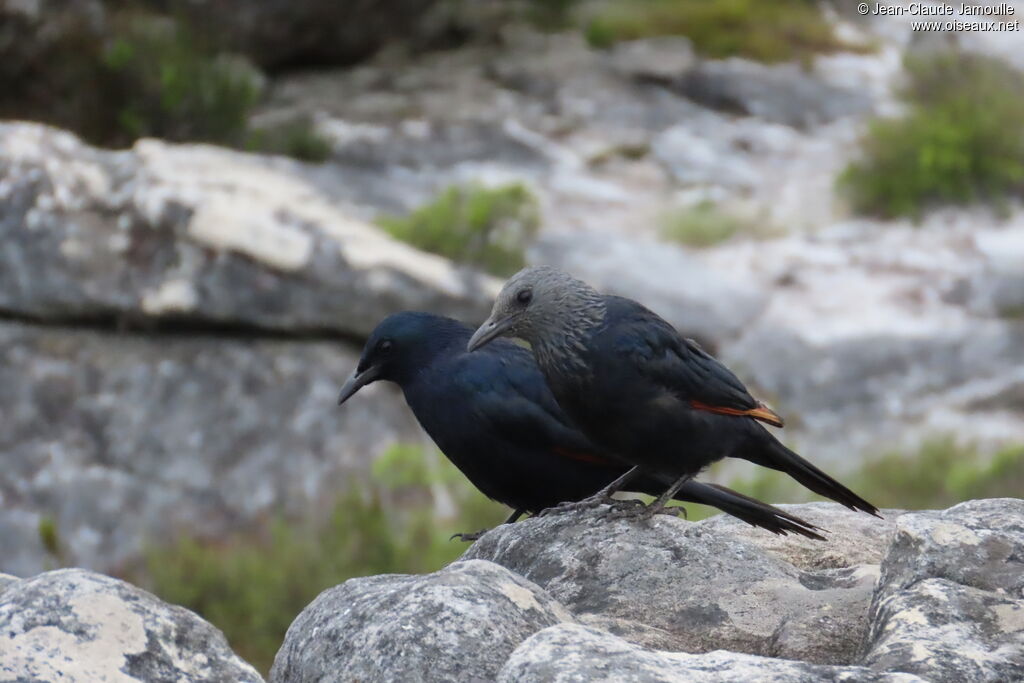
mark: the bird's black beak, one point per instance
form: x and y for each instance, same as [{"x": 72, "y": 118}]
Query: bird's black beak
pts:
[
  {"x": 488, "y": 332},
  {"x": 357, "y": 381}
]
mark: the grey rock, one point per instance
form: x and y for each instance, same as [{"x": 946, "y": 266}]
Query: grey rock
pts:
[
  {"x": 947, "y": 632},
  {"x": 6, "y": 580},
  {"x": 192, "y": 432},
  {"x": 737, "y": 596},
  {"x": 575, "y": 654},
  {"x": 778, "y": 94},
  {"x": 877, "y": 388},
  {"x": 694, "y": 156},
  {"x": 997, "y": 287},
  {"x": 834, "y": 632},
  {"x": 661, "y": 59},
  {"x": 853, "y": 537},
  {"x": 172, "y": 232},
  {"x": 76, "y": 626},
  {"x": 949, "y": 605},
  {"x": 700, "y": 302},
  {"x": 979, "y": 543},
  {"x": 460, "y": 623}
]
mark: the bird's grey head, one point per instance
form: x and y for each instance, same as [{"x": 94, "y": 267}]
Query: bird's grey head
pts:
[{"x": 545, "y": 307}]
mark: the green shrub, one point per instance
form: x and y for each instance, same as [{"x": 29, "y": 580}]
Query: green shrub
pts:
[
  {"x": 253, "y": 585},
  {"x": 297, "y": 138},
  {"x": 702, "y": 225},
  {"x": 940, "y": 474},
  {"x": 161, "y": 81},
  {"x": 767, "y": 31},
  {"x": 961, "y": 140},
  {"x": 486, "y": 227},
  {"x": 143, "y": 74}
]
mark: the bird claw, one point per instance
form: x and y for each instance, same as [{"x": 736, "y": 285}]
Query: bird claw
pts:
[
  {"x": 468, "y": 537},
  {"x": 585, "y": 504}
]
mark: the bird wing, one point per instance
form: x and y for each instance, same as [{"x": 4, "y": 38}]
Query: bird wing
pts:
[
  {"x": 517, "y": 405},
  {"x": 680, "y": 365}
]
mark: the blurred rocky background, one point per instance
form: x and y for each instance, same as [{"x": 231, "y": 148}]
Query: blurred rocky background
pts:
[{"x": 206, "y": 206}]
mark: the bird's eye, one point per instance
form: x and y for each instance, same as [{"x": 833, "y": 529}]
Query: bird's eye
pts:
[
  {"x": 384, "y": 346},
  {"x": 524, "y": 296}
]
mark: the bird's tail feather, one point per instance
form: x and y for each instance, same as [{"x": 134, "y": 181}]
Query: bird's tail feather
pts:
[
  {"x": 750, "y": 510},
  {"x": 771, "y": 453}
]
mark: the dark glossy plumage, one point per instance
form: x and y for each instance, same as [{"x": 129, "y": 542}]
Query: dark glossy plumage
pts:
[
  {"x": 637, "y": 388},
  {"x": 492, "y": 414}
]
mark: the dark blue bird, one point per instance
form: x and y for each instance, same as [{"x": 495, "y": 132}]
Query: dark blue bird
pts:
[
  {"x": 638, "y": 389},
  {"x": 492, "y": 414}
]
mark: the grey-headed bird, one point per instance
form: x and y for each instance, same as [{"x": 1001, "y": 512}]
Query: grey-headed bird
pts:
[{"x": 638, "y": 389}]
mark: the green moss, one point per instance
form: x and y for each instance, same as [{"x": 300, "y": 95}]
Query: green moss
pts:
[
  {"x": 767, "y": 31},
  {"x": 702, "y": 225},
  {"x": 253, "y": 585},
  {"x": 49, "y": 537},
  {"x": 486, "y": 227},
  {"x": 962, "y": 140},
  {"x": 298, "y": 139}
]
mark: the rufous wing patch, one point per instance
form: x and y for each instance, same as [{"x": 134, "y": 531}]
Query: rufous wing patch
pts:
[
  {"x": 581, "y": 456},
  {"x": 761, "y": 412}
]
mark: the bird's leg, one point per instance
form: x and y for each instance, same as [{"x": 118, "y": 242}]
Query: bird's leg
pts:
[
  {"x": 475, "y": 535},
  {"x": 602, "y": 497},
  {"x": 662, "y": 501},
  {"x": 659, "y": 505}
]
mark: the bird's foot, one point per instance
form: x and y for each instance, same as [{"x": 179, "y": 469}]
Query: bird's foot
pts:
[
  {"x": 470, "y": 537},
  {"x": 590, "y": 503}
]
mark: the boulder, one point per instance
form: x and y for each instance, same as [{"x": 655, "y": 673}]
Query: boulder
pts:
[
  {"x": 783, "y": 93},
  {"x": 191, "y": 232},
  {"x": 948, "y": 633},
  {"x": 854, "y": 539},
  {"x": 737, "y": 597},
  {"x": 458, "y": 624},
  {"x": 569, "y": 653},
  {"x": 76, "y": 626},
  {"x": 661, "y": 60},
  {"x": 700, "y": 302},
  {"x": 588, "y": 595},
  {"x": 979, "y": 543},
  {"x": 950, "y": 602},
  {"x": 205, "y": 433}
]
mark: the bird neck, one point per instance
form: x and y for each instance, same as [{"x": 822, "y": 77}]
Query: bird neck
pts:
[{"x": 562, "y": 348}]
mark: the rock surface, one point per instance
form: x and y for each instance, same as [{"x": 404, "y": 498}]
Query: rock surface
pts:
[
  {"x": 573, "y": 654},
  {"x": 199, "y": 233},
  {"x": 194, "y": 303},
  {"x": 416, "y": 627},
  {"x": 950, "y": 602},
  {"x": 738, "y": 596},
  {"x": 670, "y": 600},
  {"x": 189, "y": 432},
  {"x": 76, "y": 626},
  {"x": 777, "y": 94}
]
